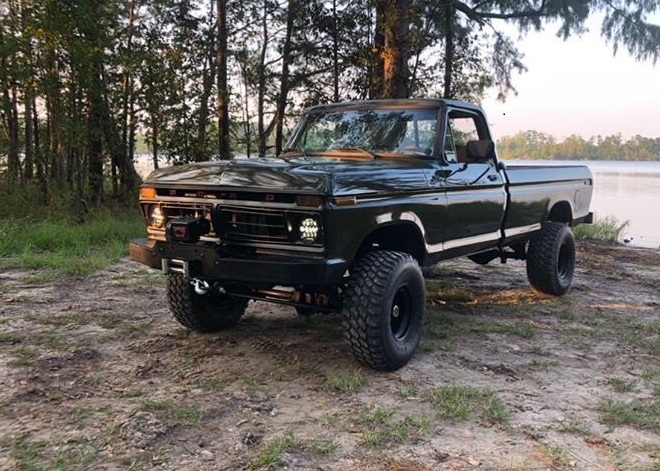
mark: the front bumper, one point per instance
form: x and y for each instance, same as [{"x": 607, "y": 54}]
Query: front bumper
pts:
[{"x": 206, "y": 260}]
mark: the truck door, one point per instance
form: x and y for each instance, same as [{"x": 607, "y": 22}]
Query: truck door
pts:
[{"x": 475, "y": 189}]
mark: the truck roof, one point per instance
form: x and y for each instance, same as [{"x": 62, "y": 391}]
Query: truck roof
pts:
[{"x": 401, "y": 103}]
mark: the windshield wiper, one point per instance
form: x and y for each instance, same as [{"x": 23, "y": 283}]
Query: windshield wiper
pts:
[{"x": 361, "y": 149}]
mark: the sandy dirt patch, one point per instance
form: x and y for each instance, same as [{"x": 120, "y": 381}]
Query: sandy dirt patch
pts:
[{"x": 95, "y": 374}]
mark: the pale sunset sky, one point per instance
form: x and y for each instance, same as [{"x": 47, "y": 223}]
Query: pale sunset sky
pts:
[{"x": 578, "y": 86}]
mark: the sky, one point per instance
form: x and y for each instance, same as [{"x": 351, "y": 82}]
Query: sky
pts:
[{"x": 578, "y": 86}]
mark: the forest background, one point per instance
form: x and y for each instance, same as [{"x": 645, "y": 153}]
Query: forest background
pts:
[{"x": 82, "y": 81}]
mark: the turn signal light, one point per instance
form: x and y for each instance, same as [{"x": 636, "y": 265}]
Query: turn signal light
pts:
[{"x": 147, "y": 192}]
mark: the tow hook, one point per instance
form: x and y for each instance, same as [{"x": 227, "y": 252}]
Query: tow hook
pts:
[{"x": 201, "y": 287}]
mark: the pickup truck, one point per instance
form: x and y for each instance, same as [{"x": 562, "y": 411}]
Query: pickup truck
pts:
[{"x": 363, "y": 196}]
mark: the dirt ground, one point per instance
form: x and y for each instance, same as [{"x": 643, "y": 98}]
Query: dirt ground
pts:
[{"x": 95, "y": 374}]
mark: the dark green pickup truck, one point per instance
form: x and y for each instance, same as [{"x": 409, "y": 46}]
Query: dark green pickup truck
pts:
[{"x": 362, "y": 197}]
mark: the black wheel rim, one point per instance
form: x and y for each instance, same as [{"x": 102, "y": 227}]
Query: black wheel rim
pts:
[
  {"x": 401, "y": 313},
  {"x": 564, "y": 262}
]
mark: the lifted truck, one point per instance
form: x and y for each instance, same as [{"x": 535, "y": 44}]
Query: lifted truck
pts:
[{"x": 363, "y": 195}]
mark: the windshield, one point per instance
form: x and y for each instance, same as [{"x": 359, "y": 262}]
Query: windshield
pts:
[{"x": 375, "y": 131}]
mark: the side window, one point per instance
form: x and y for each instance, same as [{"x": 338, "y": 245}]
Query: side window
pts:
[
  {"x": 461, "y": 128},
  {"x": 450, "y": 147}
]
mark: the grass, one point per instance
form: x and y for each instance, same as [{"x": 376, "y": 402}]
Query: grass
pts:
[
  {"x": 346, "y": 382},
  {"x": 212, "y": 384},
  {"x": 270, "y": 455},
  {"x": 607, "y": 229},
  {"x": 29, "y": 454},
  {"x": 10, "y": 338},
  {"x": 623, "y": 386},
  {"x": 462, "y": 402},
  {"x": 442, "y": 328},
  {"x": 61, "y": 245},
  {"x": 379, "y": 427},
  {"x": 174, "y": 414},
  {"x": 643, "y": 414},
  {"x": 575, "y": 427}
]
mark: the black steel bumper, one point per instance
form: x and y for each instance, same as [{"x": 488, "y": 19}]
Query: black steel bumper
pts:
[{"x": 205, "y": 260}]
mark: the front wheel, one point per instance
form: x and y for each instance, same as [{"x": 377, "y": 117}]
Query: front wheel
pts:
[
  {"x": 384, "y": 307},
  {"x": 551, "y": 259},
  {"x": 204, "y": 313}
]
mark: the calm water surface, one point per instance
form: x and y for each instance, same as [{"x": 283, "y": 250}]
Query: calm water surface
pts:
[{"x": 629, "y": 191}]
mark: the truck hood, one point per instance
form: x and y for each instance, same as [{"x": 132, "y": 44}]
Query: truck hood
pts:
[{"x": 317, "y": 175}]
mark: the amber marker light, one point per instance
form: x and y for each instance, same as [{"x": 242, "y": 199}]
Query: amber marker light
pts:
[
  {"x": 147, "y": 192},
  {"x": 345, "y": 200},
  {"x": 310, "y": 201}
]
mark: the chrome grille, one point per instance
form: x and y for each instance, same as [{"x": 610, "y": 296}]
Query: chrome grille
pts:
[{"x": 262, "y": 225}]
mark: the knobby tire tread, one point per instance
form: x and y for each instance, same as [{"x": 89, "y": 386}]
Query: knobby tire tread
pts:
[
  {"x": 542, "y": 256},
  {"x": 200, "y": 314},
  {"x": 362, "y": 303}
]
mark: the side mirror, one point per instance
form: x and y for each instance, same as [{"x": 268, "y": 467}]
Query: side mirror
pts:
[{"x": 481, "y": 150}]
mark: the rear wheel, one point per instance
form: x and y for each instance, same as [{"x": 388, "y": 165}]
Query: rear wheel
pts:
[
  {"x": 204, "y": 313},
  {"x": 551, "y": 259},
  {"x": 384, "y": 307}
]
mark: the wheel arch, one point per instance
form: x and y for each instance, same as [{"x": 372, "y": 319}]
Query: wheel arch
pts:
[
  {"x": 401, "y": 236},
  {"x": 561, "y": 211}
]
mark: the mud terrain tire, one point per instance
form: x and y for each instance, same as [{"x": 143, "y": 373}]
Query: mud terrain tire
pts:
[
  {"x": 551, "y": 259},
  {"x": 208, "y": 313},
  {"x": 384, "y": 307}
]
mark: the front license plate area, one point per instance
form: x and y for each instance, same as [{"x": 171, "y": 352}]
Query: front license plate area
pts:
[{"x": 186, "y": 230}]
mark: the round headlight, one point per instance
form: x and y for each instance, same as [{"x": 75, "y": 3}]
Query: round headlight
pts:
[
  {"x": 309, "y": 230},
  {"x": 156, "y": 217}
]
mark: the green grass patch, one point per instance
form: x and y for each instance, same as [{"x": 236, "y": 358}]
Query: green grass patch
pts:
[
  {"x": 379, "y": 427},
  {"x": 644, "y": 414},
  {"x": 174, "y": 414},
  {"x": 607, "y": 229},
  {"x": 346, "y": 382},
  {"x": 29, "y": 454},
  {"x": 462, "y": 402},
  {"x": 23, "y": 357},
  {"x": 9, "y": 338},
  {"x": 442, "y": 329},
  {"x": 73, "y": 249},
  {"x": 623, "y": 386},
  {"x": 270, "y": 456},
  {"x": 212, "y": 383},
  {"x": 575, "y": 427}
]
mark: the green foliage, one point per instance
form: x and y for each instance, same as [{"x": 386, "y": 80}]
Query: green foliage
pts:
[
  {"x": 60, "y": 244},
  {"x": 622, "y": 385},
  {"x": 461, "y": 402},
  {"x": 271, "y": 454},
  {"x": 174, "y": 414},
  {"x": 607, "y": 229},
  {"x": 346, "y": 382},
  {"x": 644, "y": 414},
  {"x": 379, "y": 427},
  {"x": 539, "y": 145}
]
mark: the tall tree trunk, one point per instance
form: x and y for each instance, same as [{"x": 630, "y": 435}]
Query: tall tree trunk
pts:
[
  {"x": 377, "y": 67},
  {"x": 10, "y": 112},
  {"x": 55, "y": 120},
  {"x": 396, "y": 48},
  {"x": 335, "y": 53},
  {"x": 95, "y": 132},
  {"x": 284, "y": 79},
  {"x": 39, "y": 155},
  {"x": 222, "y": 103},
  {"x": 127, "y": 93},
  {"x": 261, "y": 91},
  {"x": 449, "y": 47}
]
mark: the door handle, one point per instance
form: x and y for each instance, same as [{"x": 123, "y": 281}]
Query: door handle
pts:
[{"x": 492, "y": 177}]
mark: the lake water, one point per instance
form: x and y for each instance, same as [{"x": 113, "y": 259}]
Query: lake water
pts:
[{"x": 629, "y": 191}]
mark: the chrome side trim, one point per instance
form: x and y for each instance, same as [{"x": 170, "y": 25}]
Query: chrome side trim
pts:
[{"x": 464, "y": 242}]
